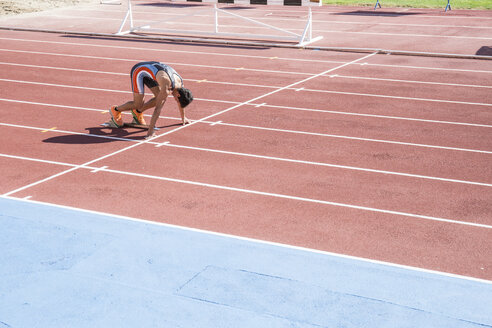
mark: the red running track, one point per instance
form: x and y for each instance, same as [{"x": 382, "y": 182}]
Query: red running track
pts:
[
  {"x": 381, "y": 157},
  {"x": 465, "y": 32}
]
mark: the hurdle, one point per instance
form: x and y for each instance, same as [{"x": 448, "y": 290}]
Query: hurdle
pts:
[
  {"x": 303, "y": 39},
  {"x": 448, "y": 6}
]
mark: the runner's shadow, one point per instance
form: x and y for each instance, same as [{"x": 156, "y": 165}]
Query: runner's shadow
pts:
[
  {"x": 484, "y": 51},
  {"x": 102, "y": 134}
]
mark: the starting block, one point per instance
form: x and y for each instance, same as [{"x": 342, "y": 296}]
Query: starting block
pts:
[{"x": 110, "y": 124}]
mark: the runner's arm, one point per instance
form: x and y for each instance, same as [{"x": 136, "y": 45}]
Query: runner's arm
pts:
[
  {"x": 159, "y": 103},
  {"x": 182, "y": 113}
]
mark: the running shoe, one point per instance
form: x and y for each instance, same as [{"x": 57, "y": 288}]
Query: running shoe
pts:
[
  {"x": 116, "y": 117},
  {"x": 138, "y": 117}
]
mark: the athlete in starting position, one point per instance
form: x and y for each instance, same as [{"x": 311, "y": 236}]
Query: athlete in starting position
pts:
[{"x": 163, "y": 81}]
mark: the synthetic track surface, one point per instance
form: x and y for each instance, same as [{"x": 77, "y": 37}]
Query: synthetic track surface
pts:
[
  {"x": 354, "y": 182},
  {"x": 290, "y": 146}
]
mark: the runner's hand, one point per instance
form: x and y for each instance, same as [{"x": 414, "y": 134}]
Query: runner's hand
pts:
[{"x": 150, "y": 136}]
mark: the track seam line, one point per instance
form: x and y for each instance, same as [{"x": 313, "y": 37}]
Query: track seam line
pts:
[
  {"x": 282, "y": 196},
  {"x": 346, "y": 167},
  {"x": 181, "y": 127}
]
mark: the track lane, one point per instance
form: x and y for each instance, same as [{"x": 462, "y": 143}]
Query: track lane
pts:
[
  {"x": 257, "y": 207},
  {"x": 440, "y": 246}
]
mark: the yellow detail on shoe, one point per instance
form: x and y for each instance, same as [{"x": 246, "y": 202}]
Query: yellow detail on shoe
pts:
[{"x": 138, "y": 117}]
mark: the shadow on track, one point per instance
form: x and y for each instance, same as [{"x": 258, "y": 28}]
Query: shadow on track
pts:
[{"x": 97, "y": 135}]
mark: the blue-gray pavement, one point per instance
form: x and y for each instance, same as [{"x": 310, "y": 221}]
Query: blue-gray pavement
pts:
[{"x": 62, "y": 267}]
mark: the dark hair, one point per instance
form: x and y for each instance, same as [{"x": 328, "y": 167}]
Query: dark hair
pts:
[{"x": 185, "y": 97}]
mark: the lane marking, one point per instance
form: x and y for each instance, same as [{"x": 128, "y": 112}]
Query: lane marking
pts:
[
  {"x": 315, "y": 30},
  {"x": 99, "y": 169},
  {"x": 412, "y": 81},
  {"x": 221, "y": 67},
  {"x": 223, "y": 54},
  {"x": 53, "y": 128},
  {"x": 350, "y": 137},
  {"x": 308, "y": 90},
  {"x": 160, "y": 144},
  {"x": 139, "y": 60},
  {"x": 348, "y": 167},
  {"x": 27, "y": 197},
  {"x": 168, "y": 50},
  {"x": 181, "y": 127},
  {"x": 214, "y": 123},
  {"x": 283, "y": 196},
  {"x": 259, "y": 241},
  {"x": 273, "y": 106}
]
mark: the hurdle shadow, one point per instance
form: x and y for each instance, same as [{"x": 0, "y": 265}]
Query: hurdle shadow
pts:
[
  {"x": 172, "y": 5},
  {"x": 102, "y": 134},
  {"x": 376, "y": 13},
  {"x": 160, "y": 42}
]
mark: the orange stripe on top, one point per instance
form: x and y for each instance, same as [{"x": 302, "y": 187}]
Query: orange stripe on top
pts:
[{"x": 135, "y": 75}]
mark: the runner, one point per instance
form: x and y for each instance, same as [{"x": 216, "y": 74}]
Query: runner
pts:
[{"x": 163, "y": 81}]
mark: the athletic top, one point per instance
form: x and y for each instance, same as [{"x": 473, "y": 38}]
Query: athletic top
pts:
[{"x": 153, "y": 67}]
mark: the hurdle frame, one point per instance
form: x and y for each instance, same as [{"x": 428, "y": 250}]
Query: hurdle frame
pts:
[
  {"x": 303, "y": 39},
  {"x": 448, "y": 5}
]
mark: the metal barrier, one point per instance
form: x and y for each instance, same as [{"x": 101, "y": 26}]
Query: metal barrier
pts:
[
  {"x": 448, "y": 6},
  {"x": 302, "y": 39}
]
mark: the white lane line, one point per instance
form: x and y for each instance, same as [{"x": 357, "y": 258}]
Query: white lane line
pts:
[
  {"x": 201, "y": 53},
  {"x": 271, "y": 106},
  {"x": 411, "y": 81},
  {"x": 282, "y": 196},
  {"x": 215, "y": 123},
  {"x": 462, "y": 70},
  {"x": 64, "y": 69},
  {"x": 273, "y": 92},
  {"x": 362, "y": 139},
  {"x": 181, "y": 127},
  {"x": 307, "y": 90},
  {"x": 168, "y": 62},
  {"x": 318, "y": 29},
  {"x": 347, "y": 167},
  {"x": 165, "y": 143},
  {"x": 380, "y": 116},
  {"x": 99, "y": 169},
  {"x": 24, "y": 158},
  {"x": 259, "y": 241},
  {"x": 345, "y": 137}
]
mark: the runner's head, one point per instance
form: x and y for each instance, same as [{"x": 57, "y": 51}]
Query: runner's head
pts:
[{"x": 185, "y": 97}]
